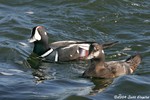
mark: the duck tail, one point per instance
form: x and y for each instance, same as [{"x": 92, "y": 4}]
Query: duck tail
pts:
[
  {"x": 109, "y": 44},
  {"x": 134, "y": 61}
]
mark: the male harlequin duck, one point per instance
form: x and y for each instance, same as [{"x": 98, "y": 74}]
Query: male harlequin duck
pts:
[
  {"x": 62, "y": 50},
  {"x": 101, "y": 69}
]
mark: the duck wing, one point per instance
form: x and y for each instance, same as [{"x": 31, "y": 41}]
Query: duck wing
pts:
[
  {"x": 118, "y": 68},
  {"x": 123, "y": 67},
  {"x": 60, "y": 44}
]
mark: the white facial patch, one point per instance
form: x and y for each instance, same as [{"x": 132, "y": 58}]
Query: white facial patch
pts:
[
  {"x": 96, "y": 54},
  {"x": 35, "y": 37},
  {"x": 93, "y": 55}
]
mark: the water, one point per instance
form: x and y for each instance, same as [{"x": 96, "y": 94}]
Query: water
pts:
[{"x": 126, "y": 21}]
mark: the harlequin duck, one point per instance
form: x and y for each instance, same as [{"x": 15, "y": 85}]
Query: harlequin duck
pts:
[
  {"x": 101, "y": 69},
  {"x": 60, "y": 51}
]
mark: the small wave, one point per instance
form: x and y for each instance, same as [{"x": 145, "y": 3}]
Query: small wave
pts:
[
  {"x": 127, "y": 49},
  {"x": 147, "y": 21},
  {"x": 29, "y": 12},
  {"x": 16, "y": 70},
  {"x": 7, "y": 74},
  {"x": 10, "y": 72},
  {"x": 23, "y": 44},
  {"x": 135, "y": 4}
]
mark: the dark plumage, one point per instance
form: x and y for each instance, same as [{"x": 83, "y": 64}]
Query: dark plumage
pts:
[{"x": 101, "y": 69}]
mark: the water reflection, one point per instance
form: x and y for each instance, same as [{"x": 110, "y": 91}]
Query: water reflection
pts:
[
  {"x": 39, "y": 69},
  {"x": 100, "y": 85},
  {"x": 34, "y": 61}
]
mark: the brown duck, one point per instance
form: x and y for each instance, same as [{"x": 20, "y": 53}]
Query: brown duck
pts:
[{"x": 101, "y": 69}]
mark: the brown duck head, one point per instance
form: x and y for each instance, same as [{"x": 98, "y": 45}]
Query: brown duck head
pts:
[
  {"x": 96, "y": 52},
  {"x": 97, "y": 58}
]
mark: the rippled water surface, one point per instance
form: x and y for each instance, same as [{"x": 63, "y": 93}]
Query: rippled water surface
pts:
[{"x": 126, "y": 21}]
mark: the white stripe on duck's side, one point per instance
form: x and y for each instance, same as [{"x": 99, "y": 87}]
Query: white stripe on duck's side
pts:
[
  {"x": 83, "y": 46},
  {"x": 69, "y": 46},
  {"x": 47, "y": 53},
  {"x": 56, "y": 57},
  {"x": 62, "y": 42}
]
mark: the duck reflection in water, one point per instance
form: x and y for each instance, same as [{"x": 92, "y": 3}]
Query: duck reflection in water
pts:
[
  {"x": 40, "y": 71},
  {"x": 100, "y": 85}
]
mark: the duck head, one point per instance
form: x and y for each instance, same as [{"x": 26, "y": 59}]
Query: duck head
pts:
[
  {"x": 97, "y": 58},
  {"x": 96, "y": 52},
  {"x": 40, "y": 39}
]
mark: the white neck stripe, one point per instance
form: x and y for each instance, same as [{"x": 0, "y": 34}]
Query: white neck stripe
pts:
[
  {"x": 47, "y": 53},
  {"x": 56, "y": 57}
]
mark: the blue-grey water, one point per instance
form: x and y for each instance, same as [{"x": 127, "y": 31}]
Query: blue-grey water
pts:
[{"x": 126, "y": 21}]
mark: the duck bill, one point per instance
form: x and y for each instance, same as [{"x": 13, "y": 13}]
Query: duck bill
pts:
[
  {"x": 94, "y": 55},
  {"x": 91, "y": 56}
]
